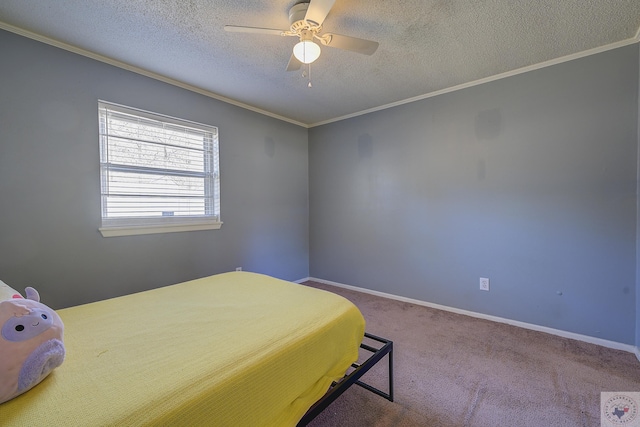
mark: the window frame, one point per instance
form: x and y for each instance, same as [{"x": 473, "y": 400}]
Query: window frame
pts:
[{"x": 135, "y": 225}]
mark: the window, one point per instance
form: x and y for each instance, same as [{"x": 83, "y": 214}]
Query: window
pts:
[{"x": 158, "y": 174}]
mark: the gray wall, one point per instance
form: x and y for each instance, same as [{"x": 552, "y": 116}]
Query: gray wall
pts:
[
  {"x": 638, "y": 230},
  {"x": 49, "y": 183},
  {"x": 529, "y": 181}
]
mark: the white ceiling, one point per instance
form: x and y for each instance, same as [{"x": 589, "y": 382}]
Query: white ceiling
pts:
[{"x": 426, "y": 46}]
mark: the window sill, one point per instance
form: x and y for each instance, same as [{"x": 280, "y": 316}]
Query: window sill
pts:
[{"x": 132, "y": 230}]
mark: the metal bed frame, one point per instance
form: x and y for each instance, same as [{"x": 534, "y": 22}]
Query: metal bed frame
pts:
[{"x": 353, "y": 377}]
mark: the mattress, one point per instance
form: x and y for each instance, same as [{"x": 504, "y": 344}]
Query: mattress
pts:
[{"x": 235, "y": 349}]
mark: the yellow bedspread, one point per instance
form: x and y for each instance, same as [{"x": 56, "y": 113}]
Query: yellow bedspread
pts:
[{"x": 235, "y": 349}]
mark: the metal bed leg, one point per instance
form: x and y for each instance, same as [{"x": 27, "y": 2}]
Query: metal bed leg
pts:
[
  {"x": 383, "y": 351},
  {"x": 354, "y": 378}
]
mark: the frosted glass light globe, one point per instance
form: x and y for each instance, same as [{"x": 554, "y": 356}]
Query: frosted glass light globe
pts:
[{"x": 306, "y": 51}]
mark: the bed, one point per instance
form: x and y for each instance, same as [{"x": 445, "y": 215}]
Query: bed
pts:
[{"x": 235, "y": 349}]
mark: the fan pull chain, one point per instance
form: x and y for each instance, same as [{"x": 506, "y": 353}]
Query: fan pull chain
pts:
[{"x": 307, "y": 73}]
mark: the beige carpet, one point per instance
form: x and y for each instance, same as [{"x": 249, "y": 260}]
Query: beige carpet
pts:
[{"x": 455, "y": 370}]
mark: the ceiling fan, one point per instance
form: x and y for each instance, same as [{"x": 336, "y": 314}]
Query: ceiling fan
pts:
[{"x": 306, "y": 23}]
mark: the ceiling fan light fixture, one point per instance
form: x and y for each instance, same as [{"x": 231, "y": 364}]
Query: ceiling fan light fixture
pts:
[{"x": 306, "y": 51}]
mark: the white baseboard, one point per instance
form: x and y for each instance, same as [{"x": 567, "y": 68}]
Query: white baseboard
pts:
[{"x": 565, "y": 334}]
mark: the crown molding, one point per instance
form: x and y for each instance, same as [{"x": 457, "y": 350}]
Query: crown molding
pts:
[
  {"x": 107, "y": 60},
  {"x": 500, "y": 76},
  {"x": 141, "y": 71}
]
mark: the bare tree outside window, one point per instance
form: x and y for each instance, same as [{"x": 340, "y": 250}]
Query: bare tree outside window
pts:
[{"x": 156, "y": 167}]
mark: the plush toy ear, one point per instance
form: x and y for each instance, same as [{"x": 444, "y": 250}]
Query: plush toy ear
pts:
[
  {"x": 7, "y": 292},
  {"x": 32, "y": 294}
]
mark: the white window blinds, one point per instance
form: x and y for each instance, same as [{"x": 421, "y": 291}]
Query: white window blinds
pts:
[{"x": 156, "y": 170}]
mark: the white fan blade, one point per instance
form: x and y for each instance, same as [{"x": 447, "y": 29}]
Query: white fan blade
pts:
[
  {"x": 293, "y": 64},
  {"x": 318, "y": 10},
  {"x": 255, "y": 30},
  {"x": 354, "y": 44}
]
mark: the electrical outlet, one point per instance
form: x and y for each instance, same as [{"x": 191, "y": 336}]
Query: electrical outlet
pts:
[
  {"x": 484, "y": 284},
  {"x": 238, "y": 268}
]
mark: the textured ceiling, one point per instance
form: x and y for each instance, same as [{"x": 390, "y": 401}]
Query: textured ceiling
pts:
[{"x": 426, "y": 46}]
